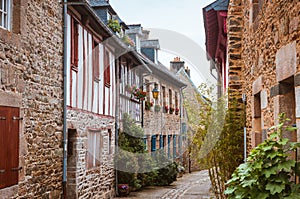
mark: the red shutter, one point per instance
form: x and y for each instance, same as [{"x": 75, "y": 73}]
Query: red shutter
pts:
[
  {"x": 9, "y": 140},
  {"x": 96, "y": 64},
  {"x": 106, "y": 69},
  {"x": 74, "y": 44}
]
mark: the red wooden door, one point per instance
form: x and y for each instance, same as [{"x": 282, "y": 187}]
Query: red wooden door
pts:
[{"x": 9, "y": 149}]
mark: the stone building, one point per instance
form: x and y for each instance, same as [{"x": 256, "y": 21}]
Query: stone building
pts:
[
  {"x": 215, "y": 15},
  {"x": 263, "y": 53},
  {"x": 162, "y": 115},
  {"x": 31, "y": 99}
]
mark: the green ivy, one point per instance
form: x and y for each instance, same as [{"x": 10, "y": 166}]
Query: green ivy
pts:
[{"x": 268, "y": 170}]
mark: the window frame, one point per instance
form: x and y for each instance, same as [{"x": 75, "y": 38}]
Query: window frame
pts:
[
  {"x": 92, "y": 155},
  {"x": 6, "y": 11}
]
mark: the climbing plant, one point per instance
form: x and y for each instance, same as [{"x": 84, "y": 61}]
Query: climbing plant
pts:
[{"x": 269, "y": 169}]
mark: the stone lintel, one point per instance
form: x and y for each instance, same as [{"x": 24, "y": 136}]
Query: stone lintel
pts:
[
  {"x": 279, "y": 89},
  {"x": 286, "y": 61},
  {"x": 257, "y": 85}
]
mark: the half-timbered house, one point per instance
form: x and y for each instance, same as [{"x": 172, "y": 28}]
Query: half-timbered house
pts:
[{"x": 100, "y": 65}]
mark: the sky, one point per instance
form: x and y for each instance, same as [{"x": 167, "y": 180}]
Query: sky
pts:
[{"x": 172, "y": 22}]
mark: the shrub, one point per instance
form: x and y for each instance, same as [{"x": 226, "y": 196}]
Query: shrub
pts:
[{"x": 268, "y": 170}]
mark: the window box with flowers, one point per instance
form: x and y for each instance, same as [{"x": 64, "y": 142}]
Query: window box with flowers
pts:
[
  {"x": 123, "y": 189},
  {"x": 148, "y": 105},
  {"x": 176, "y": 111},
  {"x": 166, "y": 109},
  {"x": 136, "y": 92},
  {"x": 171, "y": 110}
]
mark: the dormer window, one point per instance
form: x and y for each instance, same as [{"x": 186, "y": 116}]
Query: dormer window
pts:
[{"x": 5, "y": 13}]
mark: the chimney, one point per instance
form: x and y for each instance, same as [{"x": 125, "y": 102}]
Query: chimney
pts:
[
  {"x": 176, "y": 64},
  {"x": 188, "y": 71}
]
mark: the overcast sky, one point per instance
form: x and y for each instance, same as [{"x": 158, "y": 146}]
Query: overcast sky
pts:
[{"x": 183, "y": 18}]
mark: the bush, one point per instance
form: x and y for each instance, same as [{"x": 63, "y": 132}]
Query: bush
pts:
[{"x": 268, "y": 170}]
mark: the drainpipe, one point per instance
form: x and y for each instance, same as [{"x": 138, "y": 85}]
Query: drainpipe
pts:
[
  {"x": 65, "y": 141},
  {"x": 181, "y": 108}
]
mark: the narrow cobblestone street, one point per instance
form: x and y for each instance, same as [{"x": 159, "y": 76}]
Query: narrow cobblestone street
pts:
[{"x": 194, "y": 185}]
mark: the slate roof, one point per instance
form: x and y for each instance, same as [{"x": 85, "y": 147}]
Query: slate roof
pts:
[
  {"x": 217, "y": 5},
  {"x": 95, "y": 3},
  {"x": 162, "y": 72},
  {"x": 154, "y": 43}
]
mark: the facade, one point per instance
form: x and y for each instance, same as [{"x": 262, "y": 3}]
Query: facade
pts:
[
  {"x": 100, "y": 67},
  {"x": 162, "y": 115},
  {"x": 91, "y": 95},
  {"x": 31, "y": 99},
  {"x": 263, "y": 46}
]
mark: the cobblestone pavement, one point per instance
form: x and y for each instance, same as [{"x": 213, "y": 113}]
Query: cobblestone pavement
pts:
[{"x": 194, "y": 185}]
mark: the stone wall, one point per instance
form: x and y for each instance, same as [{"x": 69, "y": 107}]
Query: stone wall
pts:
[
  {"x": 97, "y": 182},
  {"x": 270, "y": 35},
  {"x": 31, "y": 78}
]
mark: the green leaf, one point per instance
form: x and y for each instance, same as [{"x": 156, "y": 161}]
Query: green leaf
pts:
[
  {"x": 291, "y": 128},
  {"x": 275, "y": 188},
  {"x": 287, "y": 166},
  {"x": 269, "y": 171},
  {"x": 229, "y": 190}
]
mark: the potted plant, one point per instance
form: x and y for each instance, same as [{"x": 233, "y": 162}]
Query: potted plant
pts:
[
  {"x": 177, "y": 111},
  {"x": 127, "y": 40},
  {"x": 148, "y": 105},
  {"x": 114, "y": 25},
  {"x": 171, "y": 110},
  {"x": 156, "y": 108},
  {"x": 166, "y": 109},
  {"x": 123, "y": 189}
]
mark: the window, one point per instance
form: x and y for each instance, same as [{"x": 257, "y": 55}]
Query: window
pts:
[
  {"x": 257, "y": 120},
  {"x": 94, "y": 151},
  {"x": 164, "y": 95},
  {"x": 176, "y": 100},
  {"x": 106, "y": 69},
  {"x": 9, "y": 142},
  {"x": 170, "y": 98},
  {"x": 96, "y": 61},
  {"x": 109, "y": 141},
  {"x": 5, "y": 13},
  {"x": 74, "y": 44}
]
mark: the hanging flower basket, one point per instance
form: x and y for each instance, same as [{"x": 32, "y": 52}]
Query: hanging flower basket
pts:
[
  {"x": 176, "y": 111},
  {"x": 166, "y": 109},
  {"x": 156, "y": 108},
  {"x": 136, "y": 92},
  {"x": 148, "y": 105},
  {"x": 171, "y": 110}
]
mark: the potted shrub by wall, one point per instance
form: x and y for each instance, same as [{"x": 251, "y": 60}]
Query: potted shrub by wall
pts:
[{"x": 166, "y": 109}]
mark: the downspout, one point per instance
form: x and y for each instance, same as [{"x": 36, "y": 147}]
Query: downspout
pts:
[
  {"x": 181, "y": 109},
  {"x": 117, "y": 113},
  {"x": 65, "y": 141}
]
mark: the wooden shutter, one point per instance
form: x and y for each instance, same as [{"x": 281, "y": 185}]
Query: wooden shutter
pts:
[
  {"x": 96, "y": 64},
  {"x": 106, "y": 69},
  {"x": 74, "y": 44},
  {"x": 9, "y": 140}
]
